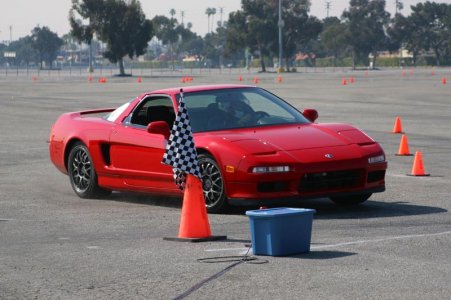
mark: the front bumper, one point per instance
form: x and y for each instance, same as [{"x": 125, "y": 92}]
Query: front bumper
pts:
[
  {"x": 307, "y": 183},
  {"x": 298, "y": 198}
]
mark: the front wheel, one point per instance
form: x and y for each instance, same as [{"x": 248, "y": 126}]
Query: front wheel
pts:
[
  {"x": 351, "y": 200},
  {"x": 212, "y": 184},
  {"x": 82, "y": 176}
]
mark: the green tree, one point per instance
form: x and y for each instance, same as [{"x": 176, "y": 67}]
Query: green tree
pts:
[
  {"x": 2, "y": 49},
  {"x": 172, "y": 13},
  {"x": 84, "y": 33},
  {"x": 190, "y": 42},
  {"x": 209, "y": 12},
  {"x": 430, "y": 24},
  {"x": 366, "y": 21},
  {"x": 168, "y": 32},
  {"x": 256, "y": 26},
  {"x": 214, "y": 46},
  {"x": 299, "y": 28},
  {"x": 120, "y": 24},
  {"x": 333, "y": 37},
  {"x": 213, "y": 13},
  {"x": 253, "y": 26},
  {"x": 25, "y": 51},
  {"x": 46, "y": 43},
  {"x": 236, "y": 34},
  {"x": 194, "y": 46}
]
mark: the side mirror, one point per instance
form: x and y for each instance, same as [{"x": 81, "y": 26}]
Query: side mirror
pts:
[
  {"x": 310, "y": 114},
  {"x": 159, "y": 127}
]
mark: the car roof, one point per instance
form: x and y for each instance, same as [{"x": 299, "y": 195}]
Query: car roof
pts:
[{"x": 198, "y": 88}]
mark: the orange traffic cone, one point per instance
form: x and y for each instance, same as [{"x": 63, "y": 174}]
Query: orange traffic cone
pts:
[
  {"x": 444, "y": 80},
  {"x": 139, "y": 80},
  {"x": 183, "y": 80},
  {"x": 418, "y": 168},
  {"x": 89, "y": 78},
  {"x": 194, "y": 220},
  {"x": 35, "y": 78},
  {"x": 366, "y": 73},
  {"x": 343, "y": 81},
  {"x": 194, "y": 224},
  {"x": 403, "y": 147},
  {"x": 397, "y": 128},
  {"x": 433, "y": 72},
  {"x": 279, "y": 79},
  {"x": 403, "y": 73},
  {"x": 351, "y": 79},
  {"x": 256, "y": 79}
]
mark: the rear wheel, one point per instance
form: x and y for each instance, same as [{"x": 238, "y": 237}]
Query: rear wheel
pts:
[
  {"x": 351, "y": 200},
  {"x": 82, "y": 176},
  {"x": 212, "y": 184}
]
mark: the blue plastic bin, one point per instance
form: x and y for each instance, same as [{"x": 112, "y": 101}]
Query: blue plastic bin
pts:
[{"x": 280, "y": 231}]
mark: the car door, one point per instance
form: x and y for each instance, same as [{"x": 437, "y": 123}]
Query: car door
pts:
[{"x": 135, "y": 153}]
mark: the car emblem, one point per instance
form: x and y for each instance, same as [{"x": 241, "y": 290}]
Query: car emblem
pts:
[{"x": 329, "y": 156}]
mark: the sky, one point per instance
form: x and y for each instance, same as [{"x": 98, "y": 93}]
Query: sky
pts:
[{"x": 23, "y": 15}]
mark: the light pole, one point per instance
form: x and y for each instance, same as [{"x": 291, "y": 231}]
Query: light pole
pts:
[
  {"x": 327, "y": 8},
  {"x": 280, "y": 24}
]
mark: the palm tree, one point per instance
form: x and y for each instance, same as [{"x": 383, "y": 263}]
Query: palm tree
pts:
[
  {"x": 213, "y": 12},
  {"x": 172, "y": 13},
  {"x": 208, "y": 13}
]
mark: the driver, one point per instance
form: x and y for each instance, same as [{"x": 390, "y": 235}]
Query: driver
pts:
[{"x": 237, "y": 108}]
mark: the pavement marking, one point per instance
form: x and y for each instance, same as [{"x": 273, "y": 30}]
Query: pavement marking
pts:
[
  {"x": 244, "y": 250},
  {"x": 23, "y": 150},
  {"x": 381, "y": 240},
  {"x": 5, "y": 220},
  {"x": 93, "y": 247},
  {"x": 225, "y": 249}
]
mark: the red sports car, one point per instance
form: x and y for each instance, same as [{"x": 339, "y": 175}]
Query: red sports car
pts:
[{"x": 254, "y": 149}]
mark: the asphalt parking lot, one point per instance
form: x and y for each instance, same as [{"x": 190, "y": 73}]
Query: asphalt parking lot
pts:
[{"x": 397, "y": 245}]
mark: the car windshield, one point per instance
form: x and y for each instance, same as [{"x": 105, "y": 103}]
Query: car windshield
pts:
[
  {"x": 238, "y": 108},
  {"x": 112, "y": 116}
]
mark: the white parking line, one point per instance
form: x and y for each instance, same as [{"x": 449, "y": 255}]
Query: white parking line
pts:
[
  {"x": 93, "y": 247},
  {"x": 243, "y": 250},
  {"x": 225, "y": 249},
  {"x": 23, "y": 150},
  {"x": 380, "y": 240}
]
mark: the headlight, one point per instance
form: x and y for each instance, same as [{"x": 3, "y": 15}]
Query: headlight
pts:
[
  {"x": 272, "y": 169},
  {"x": 376, "y": 159}
]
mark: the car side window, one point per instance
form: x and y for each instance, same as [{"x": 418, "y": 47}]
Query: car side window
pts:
[{"x": 153, "y": 109}]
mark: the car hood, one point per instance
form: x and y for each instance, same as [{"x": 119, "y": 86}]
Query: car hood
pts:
[{"x": 293, "y": 137}]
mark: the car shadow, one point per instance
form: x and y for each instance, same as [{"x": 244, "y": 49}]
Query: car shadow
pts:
[
  {"x": 322, "y": 254},
  {"x": 164, "y": 201},
  {"x": 325, "y": 209}
]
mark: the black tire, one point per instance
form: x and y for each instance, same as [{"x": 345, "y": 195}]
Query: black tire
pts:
[
  {"x": 351, "y": 200},
  {"x": 212, "y": 184},
  {"x": 82, "y": 176}
]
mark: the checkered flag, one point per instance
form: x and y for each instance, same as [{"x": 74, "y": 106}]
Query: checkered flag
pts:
[{"x": 181, "y": 151}]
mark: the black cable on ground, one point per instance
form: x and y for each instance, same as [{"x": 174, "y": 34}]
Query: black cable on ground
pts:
[{"x": 237, "y": 259}]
